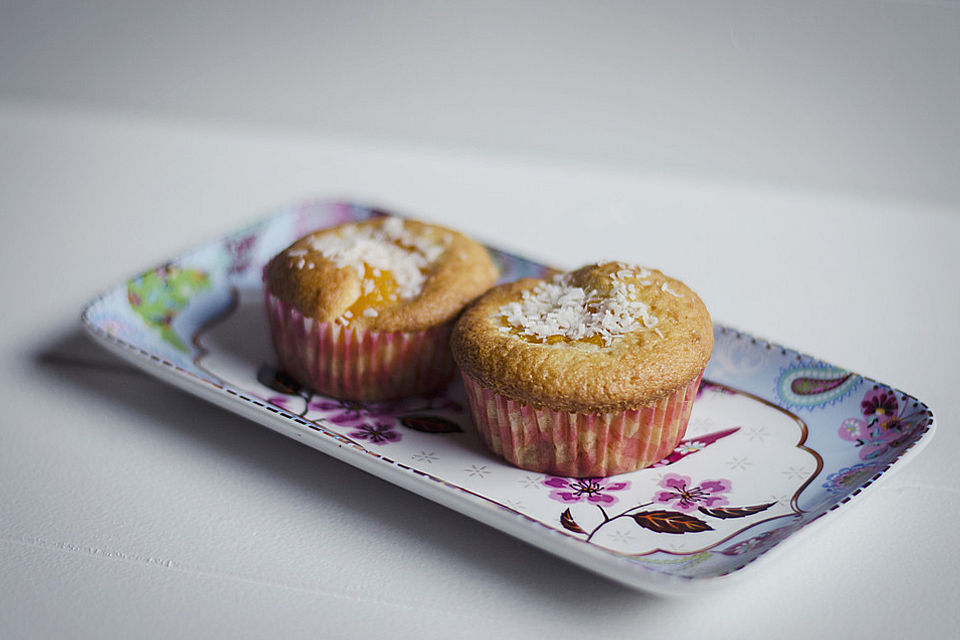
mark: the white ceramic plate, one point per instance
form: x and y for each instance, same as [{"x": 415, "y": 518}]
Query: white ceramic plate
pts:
[{"x": 777, "y": 439}]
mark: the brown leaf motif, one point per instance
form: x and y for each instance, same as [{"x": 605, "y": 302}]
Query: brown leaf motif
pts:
[
  {"x": 566, "y": 519},
  {"x": 430, "y": 424},
  {"x": 670, "y": 522},
  {"x": 735, "y": 512}
]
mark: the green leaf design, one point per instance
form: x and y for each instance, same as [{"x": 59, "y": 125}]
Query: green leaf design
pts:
[
  {"x": 168, "y": 334},
  {"x": 158, "y": 296}
]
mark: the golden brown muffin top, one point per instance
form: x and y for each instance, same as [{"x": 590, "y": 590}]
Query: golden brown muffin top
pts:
[
  {"x": 606, "y": 337},
  {"x": 382, "y": 274}
]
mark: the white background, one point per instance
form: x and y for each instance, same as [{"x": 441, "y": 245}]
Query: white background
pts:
[{"x": 797, "y": 165}]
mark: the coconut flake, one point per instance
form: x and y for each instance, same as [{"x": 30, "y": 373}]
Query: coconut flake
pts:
[
  {"x": 667, "y": 289},
  {"x": 558, "y": 308},
  {"x": 390, "y": 248}
]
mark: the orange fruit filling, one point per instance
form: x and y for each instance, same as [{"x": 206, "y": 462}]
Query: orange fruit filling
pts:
[
  {"x": 377, "y": 289},
  {"x": 595, "y": 339}
]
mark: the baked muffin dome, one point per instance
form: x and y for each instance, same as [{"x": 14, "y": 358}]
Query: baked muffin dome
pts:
[
  {"x": 624, "y": 344},
  {"x": 383, "y": 274},
  {"x": 363, "y": 311},
  {"x": 603, "y": 338}
]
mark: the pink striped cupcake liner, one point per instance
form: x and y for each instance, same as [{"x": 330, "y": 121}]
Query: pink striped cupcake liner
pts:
[
  {"x": 358, "y": 364},
  {"x": 579, "y": 445}
]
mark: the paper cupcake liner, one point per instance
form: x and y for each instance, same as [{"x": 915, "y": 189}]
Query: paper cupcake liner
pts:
[
  {"x": 358, "y": 364},
  {"x": 580, "y": 445}
]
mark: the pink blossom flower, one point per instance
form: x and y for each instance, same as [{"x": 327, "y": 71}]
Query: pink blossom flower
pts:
[
  {"x": 376, "y": 433},
  {"x": 240, "y": 251},
  {"x": 349, "y": 412},
  {"x": 852, "y": 428},
  {"x": 874, "y": 437},
  {"x": 880, "y": 404},
  {"x": 592, "y": 490},
  {"x": 284, "y": 401},
  {"x": 685, "y": 496}
]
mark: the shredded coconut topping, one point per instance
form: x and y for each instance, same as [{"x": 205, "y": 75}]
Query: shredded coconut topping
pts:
[
  {"x": 391, "y": 247},
  {"x": 558, "y": 308},
  {"x": 667, "y": 289}
]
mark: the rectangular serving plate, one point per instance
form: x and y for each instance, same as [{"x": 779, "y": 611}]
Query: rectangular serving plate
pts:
[{"x": 777, "y": 440}]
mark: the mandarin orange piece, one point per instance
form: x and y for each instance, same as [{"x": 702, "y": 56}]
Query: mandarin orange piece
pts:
[{"x": 377, "y": 289}]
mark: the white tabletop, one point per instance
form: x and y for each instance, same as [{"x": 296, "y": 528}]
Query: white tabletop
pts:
[{"x": 131, "y": 509}]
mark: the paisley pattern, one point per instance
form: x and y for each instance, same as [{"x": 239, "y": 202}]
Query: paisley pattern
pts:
[{"x": 814, "y": 386}]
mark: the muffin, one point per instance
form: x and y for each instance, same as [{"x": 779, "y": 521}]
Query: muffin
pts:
[
  {"x": 587, "y": 374},
  {"x": 363, "y": 311}
]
